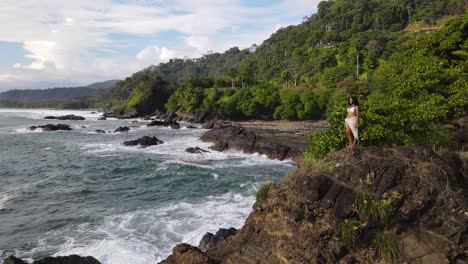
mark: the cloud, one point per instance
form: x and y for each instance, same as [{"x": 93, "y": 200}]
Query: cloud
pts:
[
  {"x": 74, "y": 41},
  {"x": 153, "y": 55}
]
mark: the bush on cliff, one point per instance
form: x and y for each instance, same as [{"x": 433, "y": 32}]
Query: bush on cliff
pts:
[{"x": 410, "y": 94}]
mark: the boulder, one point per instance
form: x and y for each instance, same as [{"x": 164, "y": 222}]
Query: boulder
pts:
[
  {"x": 52, "y": 127},
  {"x": 72, "y": 259},
  {"x": 196, "y": 150},
  {"x": 66, "y": 117},
  {"x": 191, "y": 127},
  {"x": 209, "y": 239},
  {"x": 172, "y": 124},
  {"x": 100, "y": 131},
  {"x": 274, "y": 145},
  {"x": 102, "y": 118},
  {"x": 122, "y": 129},
  {"x": 144, "y": 141},
  {"x": 13, "y": 260},
  {"x": 185, "y": 253}
]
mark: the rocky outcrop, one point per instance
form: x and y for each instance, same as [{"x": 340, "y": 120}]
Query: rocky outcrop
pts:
[
  {"x": 271, "y": 143},
  {"x": 298, "y": 221},
  {"x": 209, "y": 239},
  {"x": 122, "y": 129},
  {"x": 144, "y": 141},
  {"x": 13, "y": 260},
  {"x": 52, "y": 127},
  {"x": 170, "y": 123},
  {"x": 196, "y": 150},
  {"x": 186, "y": 254},
  {"x": 72, "y": 259},
  {"x": 66, "y": 117}
]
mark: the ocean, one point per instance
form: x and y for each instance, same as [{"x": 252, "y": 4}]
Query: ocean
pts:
[{"x": 80, "y": 192}]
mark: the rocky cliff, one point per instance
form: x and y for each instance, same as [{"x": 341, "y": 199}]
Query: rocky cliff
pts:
[{"x": 404, "y": 205}]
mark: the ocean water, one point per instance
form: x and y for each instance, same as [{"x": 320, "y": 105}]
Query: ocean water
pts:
[{"x": 79, "y": 192}]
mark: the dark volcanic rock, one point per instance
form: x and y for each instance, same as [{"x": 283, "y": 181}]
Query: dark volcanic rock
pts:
[
  {"x": 72, "y": 259},
  {"x": 429, "y": 224},
  {"x": 191, "y": 127},
  {"x": 185, "y": 253},
  {"x": 122, "y": 129},
  {"x": 13, "y": 260},
  {"x": 144, "y": 141},
  {"x": 170, "y": 123},
  {"x": 52, "y": 127},
  {"x": 196, "y": 150},
  {"x": 100, "y": 131},
  {"x": 209, "y": 239},
  {"x": 66, "y": 117},
  {"x": 274, "y": 145}
]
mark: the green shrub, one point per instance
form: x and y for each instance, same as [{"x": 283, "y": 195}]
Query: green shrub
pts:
[
  {"x": 312, "y": 165},
  {"x": 301, "y": 211},
  {"x": 385, "y": 246},
  {"x": 262, "y": 192},
  {"x": 350, "y": 230},
  {"x": 370, "y": 209}
]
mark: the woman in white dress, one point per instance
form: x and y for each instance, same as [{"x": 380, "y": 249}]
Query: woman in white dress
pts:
[{"x": 352, "y": 122}]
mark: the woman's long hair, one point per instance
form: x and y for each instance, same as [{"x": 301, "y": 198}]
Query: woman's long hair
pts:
[{"x": 355, "y": 101}]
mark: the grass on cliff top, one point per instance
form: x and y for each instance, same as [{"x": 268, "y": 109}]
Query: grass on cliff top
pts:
[
  {"x": 262, "y": 192},
  {"x": 309, "y": 165}
]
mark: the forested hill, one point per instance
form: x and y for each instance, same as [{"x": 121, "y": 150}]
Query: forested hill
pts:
[
  {"x": 54, "y": 94},
  {"x": 303, "y": 69}
]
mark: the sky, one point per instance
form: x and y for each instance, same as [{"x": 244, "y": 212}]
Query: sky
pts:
[{"x": 59, "y": 43}]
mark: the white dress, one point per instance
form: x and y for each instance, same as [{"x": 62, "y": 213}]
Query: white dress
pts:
[{"x": 353, "y": 123}]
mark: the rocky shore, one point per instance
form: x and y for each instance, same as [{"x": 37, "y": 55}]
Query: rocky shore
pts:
[{"x": 299, "y": 219}]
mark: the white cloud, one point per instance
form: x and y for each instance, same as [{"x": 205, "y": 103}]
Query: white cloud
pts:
[
  {"x": 153, "y": 55},
  {"x": 70, "y": 41}
]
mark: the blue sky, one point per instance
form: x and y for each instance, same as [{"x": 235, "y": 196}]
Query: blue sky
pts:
[{"x": 75, "y": 42}]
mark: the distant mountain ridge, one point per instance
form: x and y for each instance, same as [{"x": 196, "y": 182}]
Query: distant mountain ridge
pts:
[{"x": 55, "y": 94}]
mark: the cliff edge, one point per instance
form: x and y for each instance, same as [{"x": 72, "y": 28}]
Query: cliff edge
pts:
[{"x": 367, "y": 205}]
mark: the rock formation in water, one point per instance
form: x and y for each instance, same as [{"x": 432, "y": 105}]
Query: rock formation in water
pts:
[
  {"x": 72, "y": 259},
  {"x": 144, "y": 141},
  {"x": 66, "y": 117},
  {"x": 414, "y": 200},
  {"x": 196, "y": 150},
  {"x": 122, "y": 129},
  {"x": 274, "y": 144},
  {"x": 52, "y": 127}
]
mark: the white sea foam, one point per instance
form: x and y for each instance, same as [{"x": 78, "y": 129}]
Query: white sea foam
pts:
[
  {"x": 147, "y": 236},
  {"x": 41, "y": 113},
  {"x": 27, "y": 130},
  {"x": 4, "y": 198}
]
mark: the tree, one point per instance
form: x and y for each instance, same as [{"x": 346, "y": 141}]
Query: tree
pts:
[{"x": 233, "y": 73}]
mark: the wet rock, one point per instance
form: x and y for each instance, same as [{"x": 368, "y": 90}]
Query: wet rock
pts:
[
  {"x": 100, "y": 131},
  {"x": 102, "y": 118},
  {"x": 66, "y": 117},
  {"x": 185, "y": 253},
  {"x": 191, "y": 127},
  {"x": 52, "y": 127},
  {"x": 275, "y": 146},
  {"x": 13, "y": 260},
  {"x": 171, "y": 124},
  {"x": 72, "y": 259},
  {"x": 196, "y": 150},
  {"x": 209, "y": 239},
  {"x": 122, "y": 130},
  {"x": 144, "y": 141}
]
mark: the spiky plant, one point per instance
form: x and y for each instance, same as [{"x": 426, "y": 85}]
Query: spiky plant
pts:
[
  {"x": 385, "y": 246},
  {"x": 262, "y": 192},
  {"x": 350, "y": 230}
]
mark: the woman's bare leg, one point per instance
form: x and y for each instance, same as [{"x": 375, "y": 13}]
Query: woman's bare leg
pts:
[{"x": 348, "y": 135}]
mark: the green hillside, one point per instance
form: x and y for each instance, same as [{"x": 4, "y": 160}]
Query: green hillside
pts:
[{"x": 397, "y": 57}]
